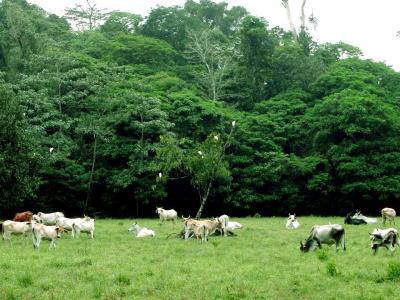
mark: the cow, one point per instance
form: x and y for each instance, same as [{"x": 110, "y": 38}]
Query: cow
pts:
[
  {"x": 67, "y": 223},
  {"x": 224, "y": 219},
  {"x": 212, "y": 226},
  {"x": 324, "y": 234},
  {"x": 13, "y": 227},
  {"x": 388, "y": 214},
  {"x": 83, "y": 225},
  {"x": 387, "y": 238},
  {"x": 166, "y": 215},
  {"x": 41, "y": 231},
  {"x": 359, "y": 215},
  {"x": 47, "y": 219},
  {"x": 353, "y": 221},
  {"x": 25, "y": 216},
  {"x": 292, "y": 222},
  {"x": 141, "y": 231},
  {"x": 201, "y": 232}
]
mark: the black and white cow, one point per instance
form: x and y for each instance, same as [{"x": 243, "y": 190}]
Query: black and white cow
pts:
[
  {"x": 354, "y": 221},
  {"x": 324, "y": 234},
  {"x": 387, "y": 238}
]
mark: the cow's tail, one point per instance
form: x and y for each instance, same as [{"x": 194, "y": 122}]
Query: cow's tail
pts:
[{"x": 204, "y": 233}]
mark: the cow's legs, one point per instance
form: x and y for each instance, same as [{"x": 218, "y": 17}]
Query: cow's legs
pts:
[
  {"x": 52, "y": 244},
  {"x": 319, "y": 243}
]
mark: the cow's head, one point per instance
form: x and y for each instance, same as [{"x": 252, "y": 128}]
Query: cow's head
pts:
[
  {"x": 306, "y": 246},
  {"x": 59, "y": 230},
  {"x": 347, "y": 220},
  {"x": 158, "y": 210},
  {"x": 292, "y": 217}
]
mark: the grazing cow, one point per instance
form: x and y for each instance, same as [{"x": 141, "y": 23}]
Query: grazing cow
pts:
[
  {"x": 292, "y": 222},
  {"x": 67, "y": 223},
  {"x": 212, "y": 226},
  {"x": 353, "y": 221},
  {"x": 47, "y": 219},
  {"x": 387, "y": 238},
  {"x": 324, "y": 234},
  {"x": 83, "y": 225},
  {"x": 25, "y": 216},
  {"x": 359, "y": 215},
  {"x": 10, "y": 227},
  {"x": 141, "y": 231},
  {"x": 167, "y": 215},
  {"x": 40, "y": 231},
  {"x": 388, "y": 214}
]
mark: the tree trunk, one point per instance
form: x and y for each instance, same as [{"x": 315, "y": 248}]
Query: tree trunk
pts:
[
  {"x": 290, "y": 20},
  {"x": 303, "y": 16},
  {"x": 203, "y": 201},
  {"x": 91, "y": 174}
]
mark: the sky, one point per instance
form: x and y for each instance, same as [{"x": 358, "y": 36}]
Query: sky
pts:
[{"x": 368, "y": 24}]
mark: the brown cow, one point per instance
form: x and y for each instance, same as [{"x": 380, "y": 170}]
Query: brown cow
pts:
[{"x": 25, "y": 216}]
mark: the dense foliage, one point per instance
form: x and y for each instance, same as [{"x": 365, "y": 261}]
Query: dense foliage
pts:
[{"x": 116, "y": 114}]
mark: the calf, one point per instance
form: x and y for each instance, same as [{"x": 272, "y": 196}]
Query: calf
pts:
[
  {"x": 201, "y": 232},
  {"x": 353, "y": 221},
  {"x": 324, "y": 234},
  {"x": 25, "y": 216},
  {"x": 224, "y": 219},
  {"x": 12, "y": 227},
  {"x": 387, "y": 238},
  {"x": 40, "y": 231},
  {"x": 388, "y": 214},
  {"x": 212, "y": 226},
  {"x": 83, "y": 225}
]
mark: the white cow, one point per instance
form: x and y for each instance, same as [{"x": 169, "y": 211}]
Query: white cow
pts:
[
  {"x": 83, "y": 225},
  {"x": 67, "y": 223},
  {"x": 167, "y": 215},
  {"x": 141, "y": 231},
  {"x": 388, "y": 214},
  {"x": 40, "y": 231},
  {"x": 224, "y": 219},
  {"x": 292, "y": 222},
  {"x": 387, "y": 238},
  {"x": 231, "y": 226},
  {"x": 12, "y": 227},
  {"x": 47, "y": 219}
]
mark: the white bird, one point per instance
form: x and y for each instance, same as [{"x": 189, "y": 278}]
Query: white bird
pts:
[
  {"x": 160, "y": 174},
  {"x": 51, "y": 149},
  {"x": 233, "y": 123},
  {"x": 216, "y": 137},
  {"x": 200, "y": 153}
]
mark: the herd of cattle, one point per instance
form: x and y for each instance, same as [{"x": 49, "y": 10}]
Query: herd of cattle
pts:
[
  {"x": 335, "y": 233},
  {"x": 46, "y": 226},
  {"x": 52, "y": 225}
]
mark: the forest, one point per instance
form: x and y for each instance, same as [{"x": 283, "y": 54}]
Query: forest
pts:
[{"x": 203, "y": 108}]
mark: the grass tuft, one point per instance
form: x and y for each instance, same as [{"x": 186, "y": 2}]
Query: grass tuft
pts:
[
  {"x": 332, "y": 269},
  {"x": 123, "y": 279},
  {"x": 393, "y": 271},
  {"x": 322, "y": 255},
  {"x": 25, "y": 280}
]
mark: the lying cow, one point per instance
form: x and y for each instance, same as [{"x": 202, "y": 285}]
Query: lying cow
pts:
[
  {"x": 230, "y": 227},
  {"x": 47, "y": 219},
  {"x": 388, "y": 214},
  {"x": 359, "y": 215},
  {"x": 324, "y": 234},
  {"x": 166, "y": 215},
  {"x": 141, "y": 231},
  {"x": 12, "y": 227},
  {"x": 40, "y": 231},
  {"x": 25, "y": 216},
  {"x": 83, "y": 225},
  {"x": 387, "y": 238},
  {"x": 292, "y": 222},
  {"x": 353, "y": 221}
]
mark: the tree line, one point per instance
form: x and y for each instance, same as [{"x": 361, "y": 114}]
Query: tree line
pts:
[{"x": 204, "y": 108}]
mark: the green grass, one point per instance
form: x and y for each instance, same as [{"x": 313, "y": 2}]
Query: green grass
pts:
[{"x": 262, "y": 262}]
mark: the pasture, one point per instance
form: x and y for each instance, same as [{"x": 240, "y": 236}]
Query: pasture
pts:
[{"x": 262, "y": 262}]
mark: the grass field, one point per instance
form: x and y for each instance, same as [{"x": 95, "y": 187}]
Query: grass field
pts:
[{"x": 262, "y": 262}]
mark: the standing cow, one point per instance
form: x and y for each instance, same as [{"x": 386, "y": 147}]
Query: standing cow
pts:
[
  {"x": 167, "y": 215},
  {"x": 47, "y": 219},
  {"x": 388, "y": 214},
  {"x": 292, "y": 222},
  {"x": 25, "y": 216},
  {"x": 40, "y": 231},
  {"x": 325, "y": 234},
  {"x": 387, "y": 238},
  {"x": 12, "y": 227}
]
